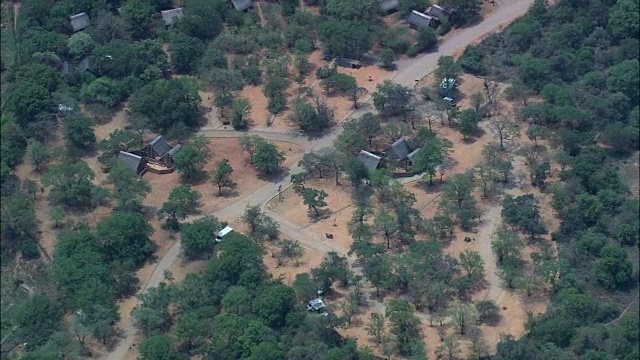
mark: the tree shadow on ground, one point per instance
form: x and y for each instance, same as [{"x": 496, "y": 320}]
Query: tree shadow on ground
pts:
[
  {"x": 424, "y": 185},
  {"x": 277, "y": 176},
  {"x": 323, "y": 214}
]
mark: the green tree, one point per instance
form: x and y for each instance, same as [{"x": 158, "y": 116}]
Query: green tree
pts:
[
  {"x": 190, "y": 161},
  {"x": 289, "y": 249},
  {"x": 137, "y": 15},
  {"x": 464, "y": 11},
  {"x": 392, "y": 99},
  {"x": 613, "y": 268},
  {"x": 57, "y": 215},
  {"x": 118, "y": 140},
  {"x": 129, "y": 191},
  {"x": 197, "y": 237},
  {"x": 168, "y": 104},
  {"x": 472, "y": 263},
  {"x": 185, "y": 52},
  {"x": 356, "y": 94},
  {"x": 367, "y": 125},
  {"x": 463, "y": 315},
  {"x": 504, "y": 128},
  {"x": 523, "y": 212},
  {"x": 71, "y": 184},
  {"x": 267, "y": 158},
  {"x": 458, "y": 190},
  {"x": 18, "y": 224},
  {"x": 314, "y": 199},
  {"x": 447, "y": 69},
  {"x": 427, "y": 39},
  {"x": 124, "y": 236},
  {"x": 339, "y": 82},
  {"x": 27, "y": 100},
  {"x": 221, "y": 175},
  {"x": 518, "y": 91},
  {"x": 404, "y": 324},
  {"x": 37, "y": 318},
  {"x": 506, "y": 244},
  {"x": 350, "y": 141},
  {"x": 468, "y": 122},
  {"x": 182, "y": 201},
  {"x": 202, "y": 19},
  {"x": 387, "y": 57},
  {"x": 488, "y": 311},
  {"x": 38, "y": 155},
  {"x": 249, "y": 144},
  {"x": 159, "y": 347},
  {"x": 304, "y": 287},
  {"x": 431, "y": 155},
  {"x": 274, "y": 89},
  {"x": 346, "y": 38},
  {"x": 241, "y": 111},
  {"x": 349, "y": 307},
  {"x": 386, "y": 224},
  {"x": 80, "y": 44},
  {"x": 376, "y": 326},
  {"x": 273, "y": 304},
  {"x": 79, "y": 132},
  {"x": 311, "y": 117},
  {"x": 406, "y": 6}
]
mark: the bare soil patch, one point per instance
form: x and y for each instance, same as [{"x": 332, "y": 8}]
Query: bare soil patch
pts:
[
  {"x": 244, "y": 175},
  {"x": 290, "y": 206}
]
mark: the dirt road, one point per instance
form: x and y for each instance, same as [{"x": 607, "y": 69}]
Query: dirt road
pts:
[
  {"x": 411, "y": 70},
  {"x": 408, "y": 71}
]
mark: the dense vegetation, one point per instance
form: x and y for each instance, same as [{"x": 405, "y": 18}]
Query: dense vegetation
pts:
[
  {"x": 579, "y": 56},
  {"x": 582, "y": 59}
]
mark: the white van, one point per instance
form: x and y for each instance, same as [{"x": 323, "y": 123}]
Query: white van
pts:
[{"x": 223, "y": 232}]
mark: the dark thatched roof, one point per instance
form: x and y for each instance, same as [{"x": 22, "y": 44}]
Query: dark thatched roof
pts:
[
  {"x": 79, "y": 21},
  {"x": 418, "y": 19},
  {"x": 130, "y": 160},
  {"x": 387, "y": 6},
  {"x": 170, "y": 16},
  {"x": 174, "y": 150},
  {"x": 242, "y": 5},
  {"x": 413, "y": 154},
  {"x": 400, "y": 149},
  {"x": 439, "y": 12},
  {"x": 369, "y": 160},
  {"x": 159, "y": 145}
]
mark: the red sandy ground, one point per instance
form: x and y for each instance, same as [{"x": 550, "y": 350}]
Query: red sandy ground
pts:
[
  {"x": 243, "y": 174},
  {"x": 465, "y": 155},
  {"x": 341, "y": 105}
]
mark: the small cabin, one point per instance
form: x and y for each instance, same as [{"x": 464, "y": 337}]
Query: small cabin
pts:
[
  {"x": 389, "y": 6},
  {"x": 316, "y": 305},
  {"x": 171, "y": 16},
  {"x": 418, "y": 20},
  {"x": 222, "y": 233},
  {"x": 134, "y": 162},
  {"x": 242, "y": 5},
  {"x": 369, "y": 160},
  {"x": 349, "y": 63},
  {"x": 440, "y": 13},
  {"x": 79, "y": 21}
]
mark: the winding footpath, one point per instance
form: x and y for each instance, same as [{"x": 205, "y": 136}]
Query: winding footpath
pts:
[{"x": 408, "y": 72}]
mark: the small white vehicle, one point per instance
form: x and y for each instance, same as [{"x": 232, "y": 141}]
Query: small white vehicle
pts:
[
  {"x": 222, "y": 233},
  {"x": 449, "y": 100},
  {"x": 316, "y": 305}
]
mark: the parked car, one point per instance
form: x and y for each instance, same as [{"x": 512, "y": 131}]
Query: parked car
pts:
[
  {"x": 222, "y": 233},
  {"x": 449, "y": 100},
  {"x": 316, "y": 305}
]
